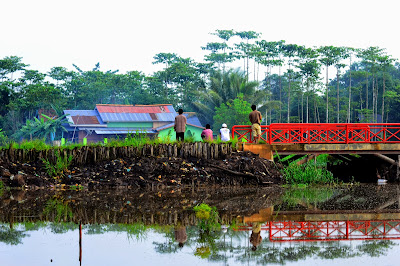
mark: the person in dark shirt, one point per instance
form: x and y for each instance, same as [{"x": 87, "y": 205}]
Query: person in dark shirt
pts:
[{"x": 255, "y": 119}]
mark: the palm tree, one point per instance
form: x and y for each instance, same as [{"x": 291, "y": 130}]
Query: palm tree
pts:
[
  {"x": 225, "y": 87},
  {"x": 41, "y": 128}
]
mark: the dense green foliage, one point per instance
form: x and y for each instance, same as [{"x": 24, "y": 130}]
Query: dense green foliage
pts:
[
  {"x": 298, "y": 84},
  {"x": 208, "y": 217},
  {"x": 58, "y": 168},
  {"x": 308, "y": 174}
]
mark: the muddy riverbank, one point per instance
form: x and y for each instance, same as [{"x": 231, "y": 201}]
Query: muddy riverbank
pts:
[{"x": 236, "y": 168}]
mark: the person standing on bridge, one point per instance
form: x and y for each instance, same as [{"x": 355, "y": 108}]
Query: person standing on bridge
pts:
[
  {"x": 255, "y": 237},
  {"x": 255, "y": 119}
]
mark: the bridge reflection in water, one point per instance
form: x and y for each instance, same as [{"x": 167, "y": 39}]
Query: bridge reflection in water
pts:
[{"x": 292, "y": 226}]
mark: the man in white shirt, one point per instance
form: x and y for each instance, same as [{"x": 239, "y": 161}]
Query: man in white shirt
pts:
[{"x": 225, "y": 133}]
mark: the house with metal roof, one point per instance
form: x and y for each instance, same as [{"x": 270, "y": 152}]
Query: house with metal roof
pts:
[{"x": 117, "y": 121}]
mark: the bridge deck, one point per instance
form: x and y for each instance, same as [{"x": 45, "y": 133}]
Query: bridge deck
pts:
[{"x": 267, "y": 150}]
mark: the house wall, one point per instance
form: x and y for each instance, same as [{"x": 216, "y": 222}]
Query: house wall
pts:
[
  {"x": 131, "y": 124},
  {"x": 90, "y": 138},
  {"x": 195, "y": 132},
  {"x": 160, "y": 124}
]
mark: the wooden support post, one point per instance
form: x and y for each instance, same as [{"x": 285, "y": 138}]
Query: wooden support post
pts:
[{"x": 307, "y": 159}]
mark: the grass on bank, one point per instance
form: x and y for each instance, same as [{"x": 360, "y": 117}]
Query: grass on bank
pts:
[
  {"x": 1, "y": 188},
  {"x": 310, "y": 173},
  {"x": 57, "y": 169},
  {"x": 133, "y": 140}
]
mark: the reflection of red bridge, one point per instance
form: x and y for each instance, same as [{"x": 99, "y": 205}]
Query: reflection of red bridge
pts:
[
  {"x": 280, "y": 231},
  {"x": 323, "y": 138}
]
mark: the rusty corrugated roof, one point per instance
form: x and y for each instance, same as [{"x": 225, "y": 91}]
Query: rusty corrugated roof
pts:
[
  {"x": 72, "y": 117},
  {"x": 84, "y": 120}
]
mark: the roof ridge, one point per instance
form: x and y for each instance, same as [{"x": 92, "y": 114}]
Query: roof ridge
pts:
[{"x": 131, "y": 105}]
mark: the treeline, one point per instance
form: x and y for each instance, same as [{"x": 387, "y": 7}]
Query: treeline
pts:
[{"x": 288, "y": 82}]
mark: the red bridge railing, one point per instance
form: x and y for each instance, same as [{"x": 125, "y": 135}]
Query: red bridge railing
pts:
[
  {"x": 321, "y": 133},
  {"x": 292, "y": 231}
]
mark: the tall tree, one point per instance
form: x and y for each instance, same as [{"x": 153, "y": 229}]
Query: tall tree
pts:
[
  {"x": 244, "y": 48},
  {"x": 328, "y": 57},
  {"x": 289, "y": 51},
  {"x": 310, "y": 69}
]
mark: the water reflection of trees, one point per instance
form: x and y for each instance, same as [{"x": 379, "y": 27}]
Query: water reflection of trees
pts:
[
  {"x": 214, "y": 246},
  {"x": 11, "y": 236},
  {"x": 328, "y": 250}
]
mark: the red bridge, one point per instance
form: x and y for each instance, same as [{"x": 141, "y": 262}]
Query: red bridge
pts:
[
  {"x": 322, "y": 133},
  {"x": 321, "y": 138}
]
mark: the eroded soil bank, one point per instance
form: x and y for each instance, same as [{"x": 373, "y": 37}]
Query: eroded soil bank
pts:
[
  {"x": 169, "y": 205},
  {"x": 237, "y": 168}
]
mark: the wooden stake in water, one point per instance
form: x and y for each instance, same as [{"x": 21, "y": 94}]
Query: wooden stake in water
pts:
[{"x": 80, "y": 243}]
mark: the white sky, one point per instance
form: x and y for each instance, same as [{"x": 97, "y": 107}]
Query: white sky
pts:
[{"x": 126, "y": 34}]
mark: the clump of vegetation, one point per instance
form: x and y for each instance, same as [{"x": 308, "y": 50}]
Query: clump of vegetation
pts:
[
  {"x": 61, "y": 165},
  {"x": 3, "y": 138},
  {"x": 307, "y": 195},
  {"x": 203, "y": 252},
  {"x": 1, "y": 188},
  {"x": 76, "y": 187},
  {"x": 63, "y": 212},
  {"x": 38, "y": 144},
  {"x": 208, "y": 217},
  {"x": 308, "y": 174}
]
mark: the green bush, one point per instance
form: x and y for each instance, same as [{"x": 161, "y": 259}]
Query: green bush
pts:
[
  {"x": 308, "y": 174},
  {"x": 3, "y": 138},
  {"x": 208, "y": 217},
  {"x": 57, "y": 170},
  {"x": 1, "y": 188},
  {"x": 62, "y": 211},
  {"x": 38, "y": 144}
]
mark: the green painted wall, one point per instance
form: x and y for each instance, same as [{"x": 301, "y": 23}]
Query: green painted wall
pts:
[
  {"x": 170, "y": 133},
  {"x": 131, "y": 124}
]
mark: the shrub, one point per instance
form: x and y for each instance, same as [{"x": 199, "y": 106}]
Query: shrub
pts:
[
  {"x": 208, "y": 217},
  {"x": 57, "y": 170},
  {"x": 308, "y": 174}
]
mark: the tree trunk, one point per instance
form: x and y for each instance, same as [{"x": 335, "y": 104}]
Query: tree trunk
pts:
[
  {"x": 366, "y": 99},
  {"x": 349, "y": 110},
  {"x": 266, "y": 117},
  {"x": 327, "y": 96},
  {"x": 337, "y": 96},
  {"x": 373, "y": 98},
  {"x": 383, "y": 96},
  {"x": 288, "y": 103},
  {"x": 302, "y": 107},
  {"x": 280, "y": 95}
]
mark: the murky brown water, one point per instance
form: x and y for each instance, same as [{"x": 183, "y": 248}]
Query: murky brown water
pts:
[{"x": 274, "y": 225}]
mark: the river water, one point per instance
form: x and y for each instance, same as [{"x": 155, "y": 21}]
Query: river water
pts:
[{"x": 357, "y": 225}]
